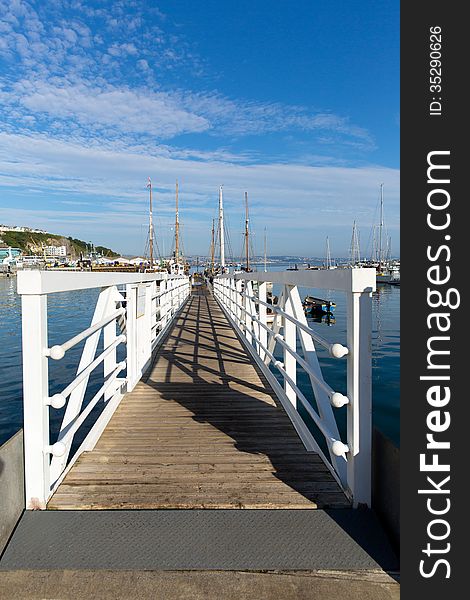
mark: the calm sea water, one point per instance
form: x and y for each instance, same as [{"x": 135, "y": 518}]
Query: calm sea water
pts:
[{"x": 71, "y": 312}]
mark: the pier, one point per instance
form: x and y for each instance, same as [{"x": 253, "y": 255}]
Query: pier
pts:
[
  {"x": 200, "y": 430},
  {"x": 197, "y": 408}
]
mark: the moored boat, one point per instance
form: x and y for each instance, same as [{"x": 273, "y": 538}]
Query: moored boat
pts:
[{"x": 313, "y": 305}]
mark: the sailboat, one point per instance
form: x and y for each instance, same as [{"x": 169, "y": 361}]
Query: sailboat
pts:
[
  {"x": 355, "y": 252},
  {"x": 177, "y": 264},
  {"x": 270, "y": 297},
  {"x": 388, "y": 271},
  {"x": 319, "y": 306},
  {"x": 217, "y": 238},
  {"x": 329, "y": 263},
  {"x": 152, "y": 263},
  {"x": 246, "y": 267}
]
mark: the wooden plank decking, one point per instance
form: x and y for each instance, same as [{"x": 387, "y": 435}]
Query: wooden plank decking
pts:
[{"x": 201, "y": 430}]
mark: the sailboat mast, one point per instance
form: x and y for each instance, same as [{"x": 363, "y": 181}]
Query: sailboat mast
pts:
[
  {"x": 388, "y": 255},
  {"x": 351, "y": 249},
  {"x": 149, "y": 185},
  {"x": 221, "y": 230},
  {"x": 265, "y": 246},
  {"x": 381, "y": 224},
  {"x": 374, "y": 255},
  {"x": 355, "y": 253},
  {"x": 247, "y": 251},
  {"x": 177, "y": 229},
  {"x": 212, "y": 246},
  {"x": 328, "y": 254}
]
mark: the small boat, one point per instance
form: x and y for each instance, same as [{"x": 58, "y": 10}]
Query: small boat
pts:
[
  {"x": 389, "y": 274},
  {"x": 273, "y": 300},
  {"x": 294, "y": 268},
  {"x": 327, "y": 319},
  {"x": 313, "y": 305}
]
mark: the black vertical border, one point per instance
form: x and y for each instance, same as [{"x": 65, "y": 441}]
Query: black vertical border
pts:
[{"x": 422, "y": 133}]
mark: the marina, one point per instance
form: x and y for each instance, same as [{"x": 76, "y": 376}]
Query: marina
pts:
[
  {"x": 199, "y": 301},
  {"x": 385, "y": 347},
  {"x": 197, "y": 390},
  {"x": 191, "y": 408}
]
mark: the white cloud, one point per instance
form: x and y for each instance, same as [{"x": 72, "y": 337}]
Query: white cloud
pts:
[
  {"x": 101, "y": 135},
  {"x": 122, "y": 50},
  {"x": 143, "y": 64},
  {"x": 120, "y": 108},
  {"x": 65, "y": 70},
  {"x": 290, "y": 198},
  {"x": 170, "y": 113}
]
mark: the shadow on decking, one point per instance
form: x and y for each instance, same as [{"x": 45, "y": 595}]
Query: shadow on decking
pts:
[
  {"x": 273, "y": 436},
  {"x": 202, "y": 335}
]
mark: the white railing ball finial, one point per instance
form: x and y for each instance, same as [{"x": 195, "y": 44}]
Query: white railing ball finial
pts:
[
  {"x": 338, "y": 400},
  {"x": 338, "y": 448},
  {"x": 57, "y": 401},
  {"x": 56, "y": 352},
  {"x": 338, "y": 350},
  {"x": 57, "y": 449}
]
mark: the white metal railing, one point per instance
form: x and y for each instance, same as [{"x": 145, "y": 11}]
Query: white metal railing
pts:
[
  {"x": 243, "y": 297},
  {"x": 133, "y": 311}
]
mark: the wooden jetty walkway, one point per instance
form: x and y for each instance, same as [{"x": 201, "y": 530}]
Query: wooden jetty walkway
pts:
[
  {"x": 183, "y": 411},
  {"x": 202, "y": 429}
]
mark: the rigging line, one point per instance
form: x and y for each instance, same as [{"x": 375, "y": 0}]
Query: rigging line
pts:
[
  {"x": 229, "y": 245},
  {"x": 372, "y": 230},
  {"x": 181, "y": 242},
  {"x": 228, "y": 238}
]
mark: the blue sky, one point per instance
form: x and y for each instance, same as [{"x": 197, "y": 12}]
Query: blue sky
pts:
[{"x": 296, "y": 103}]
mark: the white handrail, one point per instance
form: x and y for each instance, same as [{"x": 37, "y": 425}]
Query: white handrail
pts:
[
  {"x": 350, "y": 461},
  {"x": 84, "y": 373},
  {"x": 67, "y": 434},
  {"x": 335, "y": 350},
  {"x": 278, "y": 337},
  {"x": 58, "y": 352},
  {"x": 143, "y": 308}
]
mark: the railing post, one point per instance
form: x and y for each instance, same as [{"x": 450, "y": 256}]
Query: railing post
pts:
[
  {"x": 359, "y": 409},
  {"x": 239, "y": 297},
  {"x": 173, "y": 293},
  {"x": 110, "y": 362},
  {"x": 290, "y": 337},
  {"x": 262, "y": 333},
  {"x": 233, "y": 305},
  {"x": 35, "y": 394},
  {"x": 248, "y": 308},
  {"x": 169, "y": 298},
  {"x": 163, "y": 301},
  {"x": 131, "y": 337},
  {"x": 221, "y": 290},
  {"x": 153, "y": 311}
]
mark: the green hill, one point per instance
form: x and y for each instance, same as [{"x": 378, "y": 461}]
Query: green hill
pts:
[{"x": 30, "y": 242}]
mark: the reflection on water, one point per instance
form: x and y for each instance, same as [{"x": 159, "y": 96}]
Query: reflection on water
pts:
[
  {"x": 386, "y": 360},
  {"x": 71, "y": 312},
  {"x": 326, "y": 319}
]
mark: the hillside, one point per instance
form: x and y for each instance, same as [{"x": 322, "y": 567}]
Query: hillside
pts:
[{"x": 30, "y": 242}]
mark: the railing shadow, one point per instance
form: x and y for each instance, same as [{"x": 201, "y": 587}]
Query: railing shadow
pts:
[
  {"x": 199, "y": 354},
  {"x": 202, "y": 374}
]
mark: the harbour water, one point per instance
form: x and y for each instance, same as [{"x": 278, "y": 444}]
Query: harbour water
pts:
[{"x": 71, "y": 312}]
